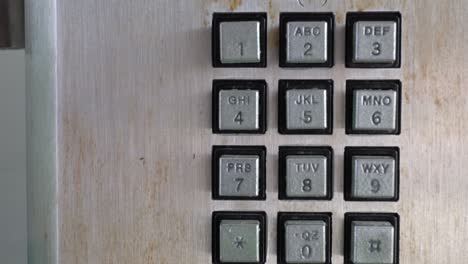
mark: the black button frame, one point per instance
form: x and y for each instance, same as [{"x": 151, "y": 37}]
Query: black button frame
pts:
[
  {"x": 369, "y": 151},
  {"x": 287, "y": 17},
  {"x": 352, "y": 85},
  {"x": 393, "y": 218},
  {"x": 284, "y": 86},
  {"x": 218, "y": 216},
  {"x": 353, "y": 17},
  {"x": 283, "y": 217},
  {"x": 241, "y": 16},
  {"x": 256, "y": 85},
  {"x": 285, "y": 151},
  {"x": 218, "y": 151}
]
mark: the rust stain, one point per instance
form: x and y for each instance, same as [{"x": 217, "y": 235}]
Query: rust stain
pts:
[
  {"x": 80, "y": 168},
  {"x": 407, "y": 97},
  {"x": 153, "y": 183},
  {"x": 410, "y": 76},
  {"x": 340, "y": 18},
  {"x": 272, "y": 10},
  {"x": 234, "y": 4},
  {"x": 363, "y": 5},
  {"x": 438, "y": 101},
  {"x": 150, "y": 254}
]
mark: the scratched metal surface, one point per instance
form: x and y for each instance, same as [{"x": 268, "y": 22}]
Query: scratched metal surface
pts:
[{"x": 133, "y": 131}]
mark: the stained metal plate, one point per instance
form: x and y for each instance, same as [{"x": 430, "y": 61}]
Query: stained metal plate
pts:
[{"x": 120, "y": 129}]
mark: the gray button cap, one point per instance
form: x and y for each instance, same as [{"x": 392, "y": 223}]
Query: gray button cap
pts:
[
  {"x": 239, "y": 241},
  {"x": 373, "y": 177},
  {"x": 306, "y": 176},
  {"x": 305, "y": 241},
  {"x": 240, "y": 42},
  {"x": 375, "y": 42},
  {"x": 306, "y": 109},
  {"x": 239, "y": 110},
  {"x": 239, "y": 175},
  {"x": 374, "y": 109},
  {"x": 372, "y": 242},
  {"x": 307, "y": 42}
]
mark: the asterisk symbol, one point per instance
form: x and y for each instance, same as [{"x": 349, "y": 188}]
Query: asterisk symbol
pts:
[{"x": 239, "y": 242}]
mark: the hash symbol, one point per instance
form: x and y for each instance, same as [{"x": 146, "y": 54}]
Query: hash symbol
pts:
[{"x": 374, "y": 245}]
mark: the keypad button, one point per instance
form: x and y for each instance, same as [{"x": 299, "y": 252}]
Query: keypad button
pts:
[
  {"x": 371, "y": 238},
  {"x": 373, "y": 39},
  {"x": 305, "y": 107},
  {"x": 373, "y": 107},
  {"x": 240, "y": 42},
  {"x": 239, "y": 106},
  {"x": 239, "y": 237},
  {"x": 239, "y": 39},
  {"x": 305, "y": 173},
  {"x": 304, "y": 238},
  {"x": 239, "y": 175},
  {"x": 374, "y": 42},
  {"x": 238, "y": 172},
  {"x": 239, "y": 241},
  {"x": 306, "y": 39},
  {"x": 371, "y": 174},
  {"x": 239, "y": 110}
]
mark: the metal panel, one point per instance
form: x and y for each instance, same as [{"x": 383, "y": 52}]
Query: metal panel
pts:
[
  {"x": 134, "y": 132},
  {"x": 42, "y": 142}
]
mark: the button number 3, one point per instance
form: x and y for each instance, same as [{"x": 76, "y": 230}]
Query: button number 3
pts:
[{"x": 377, "y": 49}]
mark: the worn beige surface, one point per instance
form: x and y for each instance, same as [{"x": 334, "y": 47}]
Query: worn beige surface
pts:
[{"x": 134, "y": 131}]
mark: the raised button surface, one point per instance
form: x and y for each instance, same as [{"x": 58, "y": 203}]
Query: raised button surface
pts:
[
  {"x": 306, "y": 176},
  {"x": 371, "y": 174},
  {"x": 373, "y": 177},
  {"x": 307, "y": 42},
  {"x": 372, "y": 242},
  {"x": 240, "y": 42},
  {"x": 239, "y": 237},
  {"x": 239, "y": 175},
  {"x": 239, "y": 39},
  {"x": 373, "y": 39},
  {"x": 373, "y": 107},
  {"x": 305, "y": 241},
  {"x": 372, "y": 238},
  {"x": 239, "y": 241},
  {"x": 239, "y": 106},
  {"x": 375, "y": 42},
  {"x": 304, "y": 237},
  {"x": 239, "y": 110},
  {"x": 305, "y": 107},
  {"x": 305, "y": 173},
  {"x": 306, "y": 39}
]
